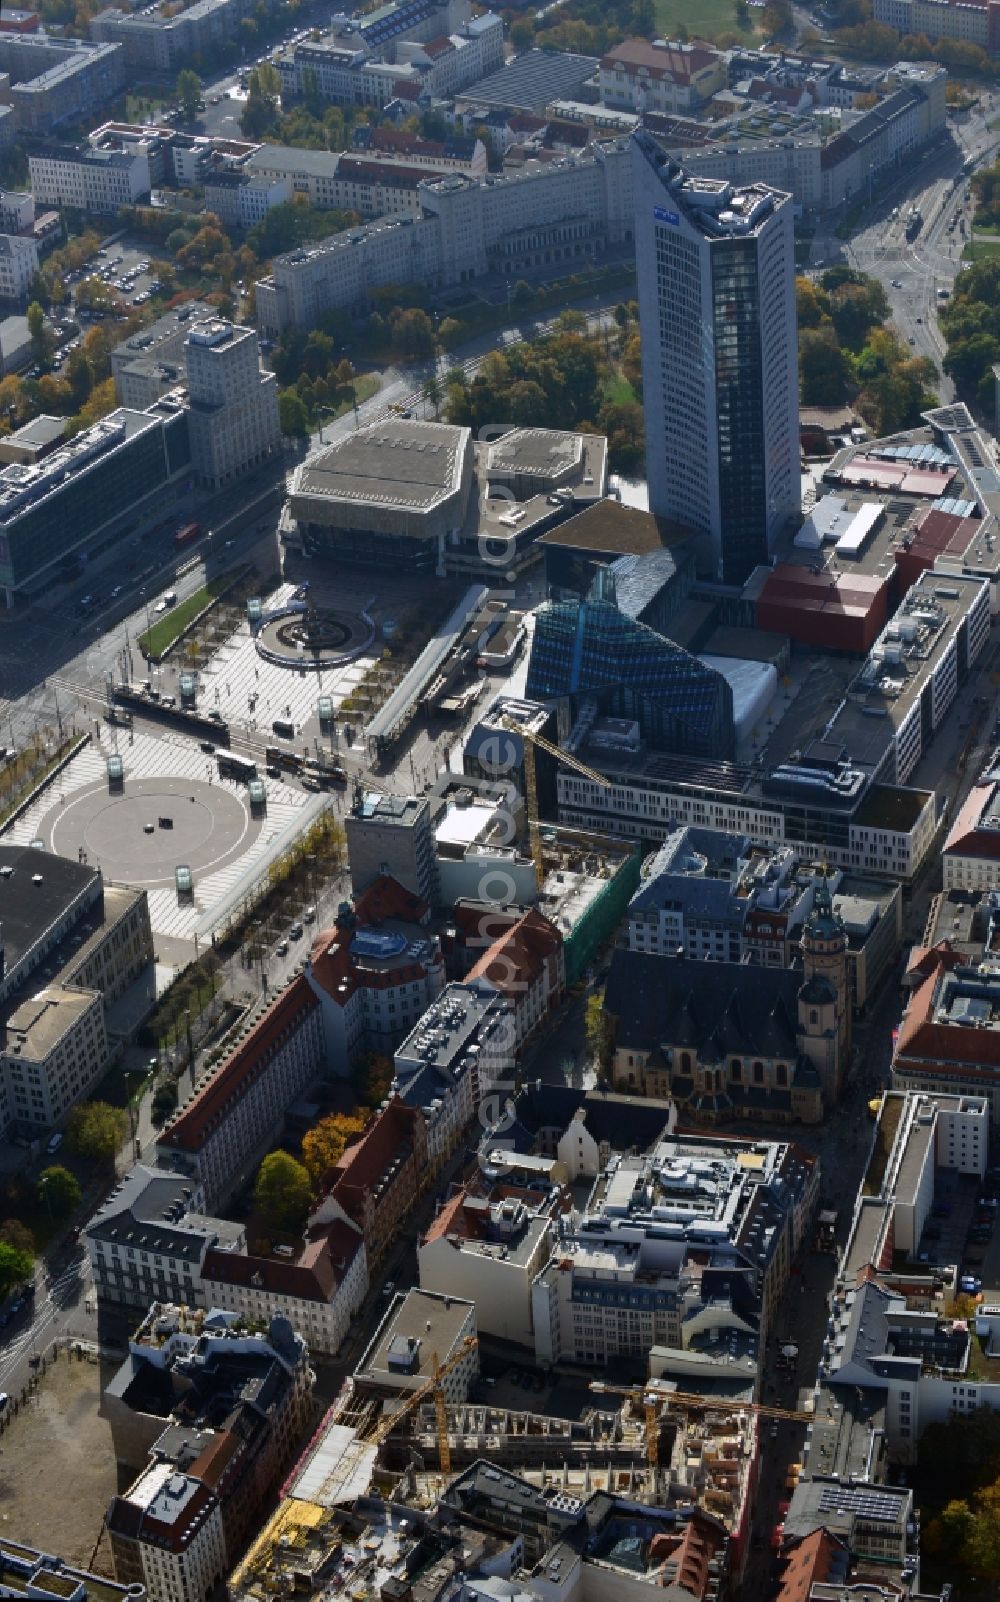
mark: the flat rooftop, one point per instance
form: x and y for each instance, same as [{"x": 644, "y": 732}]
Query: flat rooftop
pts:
[
  {"x": 36, "y": 1027},
  {"x": 620, "y": 530},
  {"x": 36, "y": 889},
  {"x": 420, "y": 1326},
  {"x": 401, "y": 463},
  {"x": 902, "y": 660}
]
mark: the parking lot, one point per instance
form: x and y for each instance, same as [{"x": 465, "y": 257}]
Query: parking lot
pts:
[{"x": 961, "y": 1230}]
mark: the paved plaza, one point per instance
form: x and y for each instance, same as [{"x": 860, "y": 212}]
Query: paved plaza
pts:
[
  {"x": 251, "y": 692},
  {"x": 211, "y": 828}
]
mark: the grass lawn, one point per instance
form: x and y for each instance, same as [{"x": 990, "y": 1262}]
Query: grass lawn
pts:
[
  {"x": 703, "y": 21},
  {"x": 146, "y": 103},
  {"x": 619, "y": 391},
  {"x": 362, "y": 388},
  {"x": 164, "y": 632},
  {"x": 978, "y": 249}
]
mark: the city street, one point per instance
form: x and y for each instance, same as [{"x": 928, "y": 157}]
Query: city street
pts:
[{"x": 912, "y": 271}]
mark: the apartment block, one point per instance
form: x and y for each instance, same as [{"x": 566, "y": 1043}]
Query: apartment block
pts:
[
  {"x": 88, "y": 178},
  {"x": 18, "y": 266},
  {"x": 461, "y": 1051},
  {"x": 318, "y": 1286},
  {"x": 222, "y": 1413},
  {"x": 661, "y": 76},
  {"x": 56, "y": 80},
  {"x": 565, "y": 211},
  {"x": 239, "y": 1106},
  {"x": 392, "y": 835},
  {"x": 148, "y": 1241},
  {"x": 374, "y": 972},
  {"x": 232, "y": 403},
  {"x": 241, "y": 199},
  {"x": 378, "y": 1179},
  {"x": 949, "y": 1037},
  {"x": 94, "y": 942},
  {"x": 420, "y": 1331}
]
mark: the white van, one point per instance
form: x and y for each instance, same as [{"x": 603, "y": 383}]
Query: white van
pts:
[{"x": 55, "y": 1141}]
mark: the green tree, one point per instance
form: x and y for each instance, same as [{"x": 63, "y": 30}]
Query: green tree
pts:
[
  {"x": 282, "y": 1190},
  {"x": 36, "y": 329},
  {"x": 824, "y": 369},
  {"x": 189, "y": 93},
  {"x": 95, "y": 1129},
  {"x": 292, "y": 414},
  {"x": 58, "y": 1190},
  {"x": 413, "y": 333},
  {"x": 15, "y": 1267}
]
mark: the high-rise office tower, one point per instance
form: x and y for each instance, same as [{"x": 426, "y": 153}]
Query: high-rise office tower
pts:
[{"x": 716, "y": 266}]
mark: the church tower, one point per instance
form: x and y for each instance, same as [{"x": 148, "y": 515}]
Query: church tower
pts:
[{"x": 824, "y": 1000}]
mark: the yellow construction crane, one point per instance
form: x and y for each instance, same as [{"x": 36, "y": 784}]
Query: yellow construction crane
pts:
[
  {"x": 652, "y": 1400},
  {"x": 531, "y": 782},
  {"x": 432, "y": 1387}
]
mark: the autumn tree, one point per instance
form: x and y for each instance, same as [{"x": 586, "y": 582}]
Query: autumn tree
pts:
[
  {"x": 373, "y": 1079},
  {"x": 14, "y": 1233},
  {"x": 597, "y": 1026},
  {"x": 96, "y": 1130},
  {"x": 282, "y": 1190},
  {"x": 323, "y": 1146}
]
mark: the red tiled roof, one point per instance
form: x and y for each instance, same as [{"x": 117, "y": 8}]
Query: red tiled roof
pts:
[
  {"x": 438, "y": 47},
  {"x": 927, "y": 959},
  {"x": 190, "y": 1129},
  {"x": 211, "y": 1464},
  {"x": 518, "y": 956},
  {"x": 526, "y": 122},
  {"x": 921, "y": 1040},
  {"x": 673, "y": 62},
  {"x": 313, "y": 1278},
  {"x": 385, "y": 898},
  {"x": 368, "y": 1155},
  {"x": 967, "y": 837},
  {"x": 384, "y": 172},
  {"x": 388, "y": 138},
  {"x": 333, "y": 964},
  {"x": 818, "y": 1556}
]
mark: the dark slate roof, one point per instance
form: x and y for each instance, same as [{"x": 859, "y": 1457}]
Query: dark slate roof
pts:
[
  {"x": 625, "y": 1122},
  {"x": 680, "y": 1001}
]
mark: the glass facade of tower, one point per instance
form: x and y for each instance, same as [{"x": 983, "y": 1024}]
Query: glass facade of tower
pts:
[
  {"x": 739, "y": 402},
  {"x": 590, "y": 648}
]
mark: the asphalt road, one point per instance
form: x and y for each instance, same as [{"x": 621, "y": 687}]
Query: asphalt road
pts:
[
  {"x": 912, "y": 271},
  {"x": 64, "y": 1306}
]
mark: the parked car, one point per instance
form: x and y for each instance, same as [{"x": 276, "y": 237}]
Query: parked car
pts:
[{"x": 295, "y": 930}]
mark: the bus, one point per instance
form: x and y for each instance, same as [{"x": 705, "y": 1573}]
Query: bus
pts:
[
  {"x": 187, "y": 533},
  {"x": 276, "y": 756},
  {"x": 232, "y": 766}
]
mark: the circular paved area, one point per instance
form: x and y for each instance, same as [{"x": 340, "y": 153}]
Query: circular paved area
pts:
[
  {"x": 212, "y": 826},
  {"x": 340, "y": 637}
]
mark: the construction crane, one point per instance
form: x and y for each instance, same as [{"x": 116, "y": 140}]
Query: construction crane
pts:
[
  {"x": 433, "y": 1388},
  {"x": 531, "y": 782},
  {"x": 652, "y": 1400}
]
